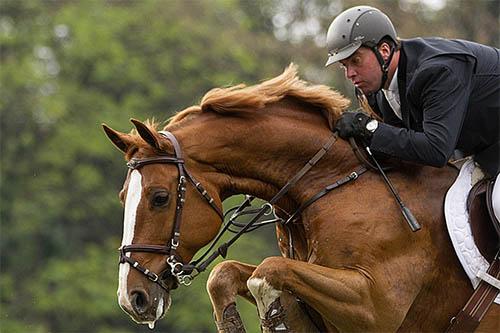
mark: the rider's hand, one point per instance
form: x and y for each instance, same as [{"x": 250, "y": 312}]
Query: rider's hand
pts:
[{"x": 354, "y": 124}]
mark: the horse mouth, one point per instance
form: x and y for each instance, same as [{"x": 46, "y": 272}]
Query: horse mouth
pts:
[
  {"x": 149, "y": 312},
  {"x": 147, "y": 303},
  {"x": 161, "y": 310}
]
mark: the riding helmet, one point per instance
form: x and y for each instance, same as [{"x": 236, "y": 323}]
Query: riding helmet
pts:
[{"x": 356, "y": 26}]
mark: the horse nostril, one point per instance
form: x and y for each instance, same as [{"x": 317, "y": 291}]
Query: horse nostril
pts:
[{"x": 139, "y": 300}]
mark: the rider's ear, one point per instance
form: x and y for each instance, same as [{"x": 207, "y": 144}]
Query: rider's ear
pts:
[
  {"x": 385, "y": 50},
  {"x": 151, "y": 137},
  {"x": 121, "y": 141}
]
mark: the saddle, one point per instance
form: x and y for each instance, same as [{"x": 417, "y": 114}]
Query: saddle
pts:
[
  {"x": 483, "y": 222},
  {"x": 486, "y": 233}
]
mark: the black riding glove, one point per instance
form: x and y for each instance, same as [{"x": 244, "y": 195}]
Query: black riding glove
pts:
[{"x": 353, "y": 124}]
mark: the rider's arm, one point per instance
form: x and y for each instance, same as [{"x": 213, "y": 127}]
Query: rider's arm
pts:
[{"x": 440, "y": 92}]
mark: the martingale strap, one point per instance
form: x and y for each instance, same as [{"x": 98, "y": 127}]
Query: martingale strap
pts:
[{"x": 352, "y": 176}]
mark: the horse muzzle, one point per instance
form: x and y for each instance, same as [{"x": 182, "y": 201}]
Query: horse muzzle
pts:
[
  {"x": 145, "y": 307},
  {"x": 147, "y": 303}
]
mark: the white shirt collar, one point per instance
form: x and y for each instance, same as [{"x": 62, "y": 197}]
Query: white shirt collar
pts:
[
  {"x": 393, "y": 86},
  {"x": 392, "y": 95}
]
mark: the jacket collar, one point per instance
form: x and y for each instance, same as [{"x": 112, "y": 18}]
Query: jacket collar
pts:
[{"x": 403, "y": 78}]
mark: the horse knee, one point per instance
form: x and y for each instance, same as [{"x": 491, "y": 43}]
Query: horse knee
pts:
[
  {"x": 264, "y": 283},
  {"x": 223, "y": 279},
  {"x": 222, "y": 285},
  {"x": 273, "y": 270}
]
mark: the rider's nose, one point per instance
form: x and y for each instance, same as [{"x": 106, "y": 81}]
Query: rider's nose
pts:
[
  {"x": 139, "y": 300},
  {"x": 350, "y": 73}
]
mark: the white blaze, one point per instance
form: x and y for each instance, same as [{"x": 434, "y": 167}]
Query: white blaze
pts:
[
  {"x": 159, "y": 309},
  {"x": 134, "y": 193},
  {"x": 159, "y": 313},
  {"x": 263, "y": 293}
]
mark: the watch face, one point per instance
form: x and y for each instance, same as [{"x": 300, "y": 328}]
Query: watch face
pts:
[{"x": 372, "y": 125}]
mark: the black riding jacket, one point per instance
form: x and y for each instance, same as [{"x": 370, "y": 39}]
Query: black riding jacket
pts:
[{"x": 450, "y": 99}]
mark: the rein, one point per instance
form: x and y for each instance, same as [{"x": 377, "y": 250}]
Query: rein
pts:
[{"x": 185, "y": 273}]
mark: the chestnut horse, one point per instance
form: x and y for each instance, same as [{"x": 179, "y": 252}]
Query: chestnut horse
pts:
[{"x": 356, "y": 263}]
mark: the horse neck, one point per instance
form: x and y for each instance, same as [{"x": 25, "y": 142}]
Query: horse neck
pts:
[{"x": 258, "y": 152}]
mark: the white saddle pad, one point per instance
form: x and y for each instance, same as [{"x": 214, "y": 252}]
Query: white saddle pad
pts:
[{"x": 457, "y": 221}]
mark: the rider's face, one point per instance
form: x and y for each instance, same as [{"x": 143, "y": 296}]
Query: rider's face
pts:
[{"x": 363, "y": 69}]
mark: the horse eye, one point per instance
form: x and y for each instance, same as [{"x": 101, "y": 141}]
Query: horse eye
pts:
[{"x": 160, "y": 199}]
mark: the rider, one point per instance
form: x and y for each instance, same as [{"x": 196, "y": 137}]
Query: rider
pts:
[{"x": 435, "y": 95}]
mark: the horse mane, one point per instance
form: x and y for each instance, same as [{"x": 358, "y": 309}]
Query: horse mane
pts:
[{"x": 241, "y": 98}]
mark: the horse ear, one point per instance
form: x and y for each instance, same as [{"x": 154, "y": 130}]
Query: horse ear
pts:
[
  {"x": 146, "y": 134},
  {"x": 120, "y": 140}
]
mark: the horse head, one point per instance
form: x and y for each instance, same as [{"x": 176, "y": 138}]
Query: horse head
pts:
[{"x": 156, "y": 214}]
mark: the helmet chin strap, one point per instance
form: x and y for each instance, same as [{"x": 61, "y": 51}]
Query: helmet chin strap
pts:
[{"x": 384, "y": 65}]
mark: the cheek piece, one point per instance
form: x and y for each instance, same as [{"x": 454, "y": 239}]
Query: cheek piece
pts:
[{"x": 384, "y": 65}]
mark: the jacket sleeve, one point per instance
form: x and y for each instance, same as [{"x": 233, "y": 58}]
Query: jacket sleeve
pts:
[{"x": 442, "y": 93}]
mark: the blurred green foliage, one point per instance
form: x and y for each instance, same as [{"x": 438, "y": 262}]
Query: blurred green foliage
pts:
[{"x": 67, "y": 66}]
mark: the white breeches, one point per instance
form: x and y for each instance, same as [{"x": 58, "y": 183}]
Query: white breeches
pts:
[{"x": 496, "y": 198}]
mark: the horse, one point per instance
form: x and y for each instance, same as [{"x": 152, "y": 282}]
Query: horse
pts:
[{"x": 355, "y": 264}]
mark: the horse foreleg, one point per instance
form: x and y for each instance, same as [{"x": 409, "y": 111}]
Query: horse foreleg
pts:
[
  {"x": 229, "y": 279},
  {"x": 226, "y": 281},
  {"x": 345, "y": 298}
]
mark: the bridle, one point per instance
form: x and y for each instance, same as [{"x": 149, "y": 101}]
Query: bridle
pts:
[
  {"x": 184, "y": 273},
  {"x": 174, "y": 260}
]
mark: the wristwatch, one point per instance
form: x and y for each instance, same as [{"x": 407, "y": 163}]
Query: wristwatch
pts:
[{"x": 372, "y": 125}]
